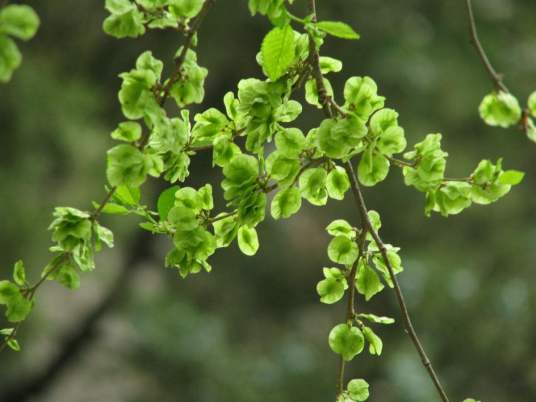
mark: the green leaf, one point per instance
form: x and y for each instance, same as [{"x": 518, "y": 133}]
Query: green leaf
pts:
[
  {"x": 183, "y": 218},
  {"x": 375, "y": 342},
  {"x": 104, "y": 235},
  {"x": 10, "y": 58},
  {"x": 377, "y": 319},
  {"x": 346, "y": 341},
  {"x": 330, "y": 65},
  {"x": 337, "y": 183},
  {"x": 500, "y": 109},
  {"x": 286, "y": 203},
  {"x": 127, "y": 195},
  {"x": 337, "y": 138},
  {"x": 248, "y": 241},
  {"x": 373, "y": 168},
  {"x": 343, "y": 251},
  {"x": 331, "y": 290},
  {"x": 367, "y": 281},
  {"x": 358, "y": 390},
  {"x": 14, "y": 345},
  {"x": 313, "y": 186},
  {"x": 470, "y": 400},
  {"x": 125, "y": 21},
  {"x": 19, "y": 273},
  {"x": 225, "y": 230},
  {"x": 20, "y": 21},
  {"x": 66, "y": 275},
  {"x": 277, "y": 51},
  {"x": 128, "y": 131},
  {"x": 340, "y": 227},
  {"x": 531, "y": 103},
  {"x": 511, "y": 177},
  {"x": 8, "y": 292},
  {"x": 205, "y": 197},
  {"x": 290, "y": 142},
  {"x": 338, "y": 29},
  {"x": 186, "y": 8},
  {"x": 126, "y": 165},
  {"x": 165, "y": 202},
  {"x": 18, "y": 308},
  {"x": 361, "y": 96}
]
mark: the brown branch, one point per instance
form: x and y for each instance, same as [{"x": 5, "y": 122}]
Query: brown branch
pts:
[
  {"x": 356, "y": 189},
  {"x": 367, "y": 227},
  {"x": 495, "y": 77}
]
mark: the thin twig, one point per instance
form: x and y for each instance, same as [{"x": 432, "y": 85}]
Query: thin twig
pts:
[
  {"x": 495, "y": 77},
  {"x": 367, "y": 227},
  {"x": 398, "y": 291}
]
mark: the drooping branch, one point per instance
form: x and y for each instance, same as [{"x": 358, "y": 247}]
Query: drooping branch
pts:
[
  {"x": 366, "y": 227},
  {"x": 408, "y": 324},
  {"x": 495, "y": 77},
  {"x": 175, "y": 76}
]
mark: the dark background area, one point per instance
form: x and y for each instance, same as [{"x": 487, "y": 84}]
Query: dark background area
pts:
[{"x": 253, "y": 329}]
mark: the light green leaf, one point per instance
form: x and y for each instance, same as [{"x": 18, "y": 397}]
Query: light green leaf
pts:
[
  {"x": 165, "y": 202},
  {"x": 500, "y": 109},
  {"x": 358, "y": 390},
  {"x": 10, "y": 58},
  {"x": 338, "y": 29},
  {"x": 278, "y": 51},
  {"x": 377, "y": 319},
  {"x": 19, "y": 273},
  {"x": 14, "y": 345},
  {"x": 313, "y": 186},
  {"x": 367, "y": 281},
  {"x": 511, "y": 177},
  {"x": 20, "y": 21},
  {"x": 343, "y": 251},
  {"x": 340, "y": 227},
  {"x": 331, "y": 290},
  {"x": 337, "y": 183},
  {"x": 346, "y": 341},
  {"x": 373, "y": 168},
  {"x": 126, "y": 165},
  {"x": 248, "y": 241},
  {"x": 286, "y": 203},
  {"x": 375, "y": 342},
  {"x": 128, "y": 131},
  {"x": 531, "y": 103}
]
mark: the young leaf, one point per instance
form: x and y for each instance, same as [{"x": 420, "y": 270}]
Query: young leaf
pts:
[
  {"x": 278, "y": 51},
  {"x": 10, "y": 58},
  {"x": 375, "y": 342},
  {"x": 367, "y": 281},
  {"x": 286, "y": 203},
  {"x": 20, "y": 21},
  {"x": 377, "y": 319},
  {"x": 511, "y": 177},
  {"x": 330, "y": 290},
  {"x": 165, "y": 202},
  {"x": 248, "y": 241},
  {"x": 19, "y": 273},
  {"x": 358, "y": 390},
  {"x": 346, "y": 341},
  {"x": 338, "y": 29},
  {"x": 343, "y": 251}
]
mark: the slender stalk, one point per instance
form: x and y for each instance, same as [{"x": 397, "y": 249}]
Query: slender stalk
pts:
[
  {"x": 495, "y": 77},
  {"x": 367, "y": 227},
  {"x": 356, "y": 189}
]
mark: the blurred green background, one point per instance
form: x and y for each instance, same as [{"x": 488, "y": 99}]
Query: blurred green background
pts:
[{"x": 253, "y": 329}]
